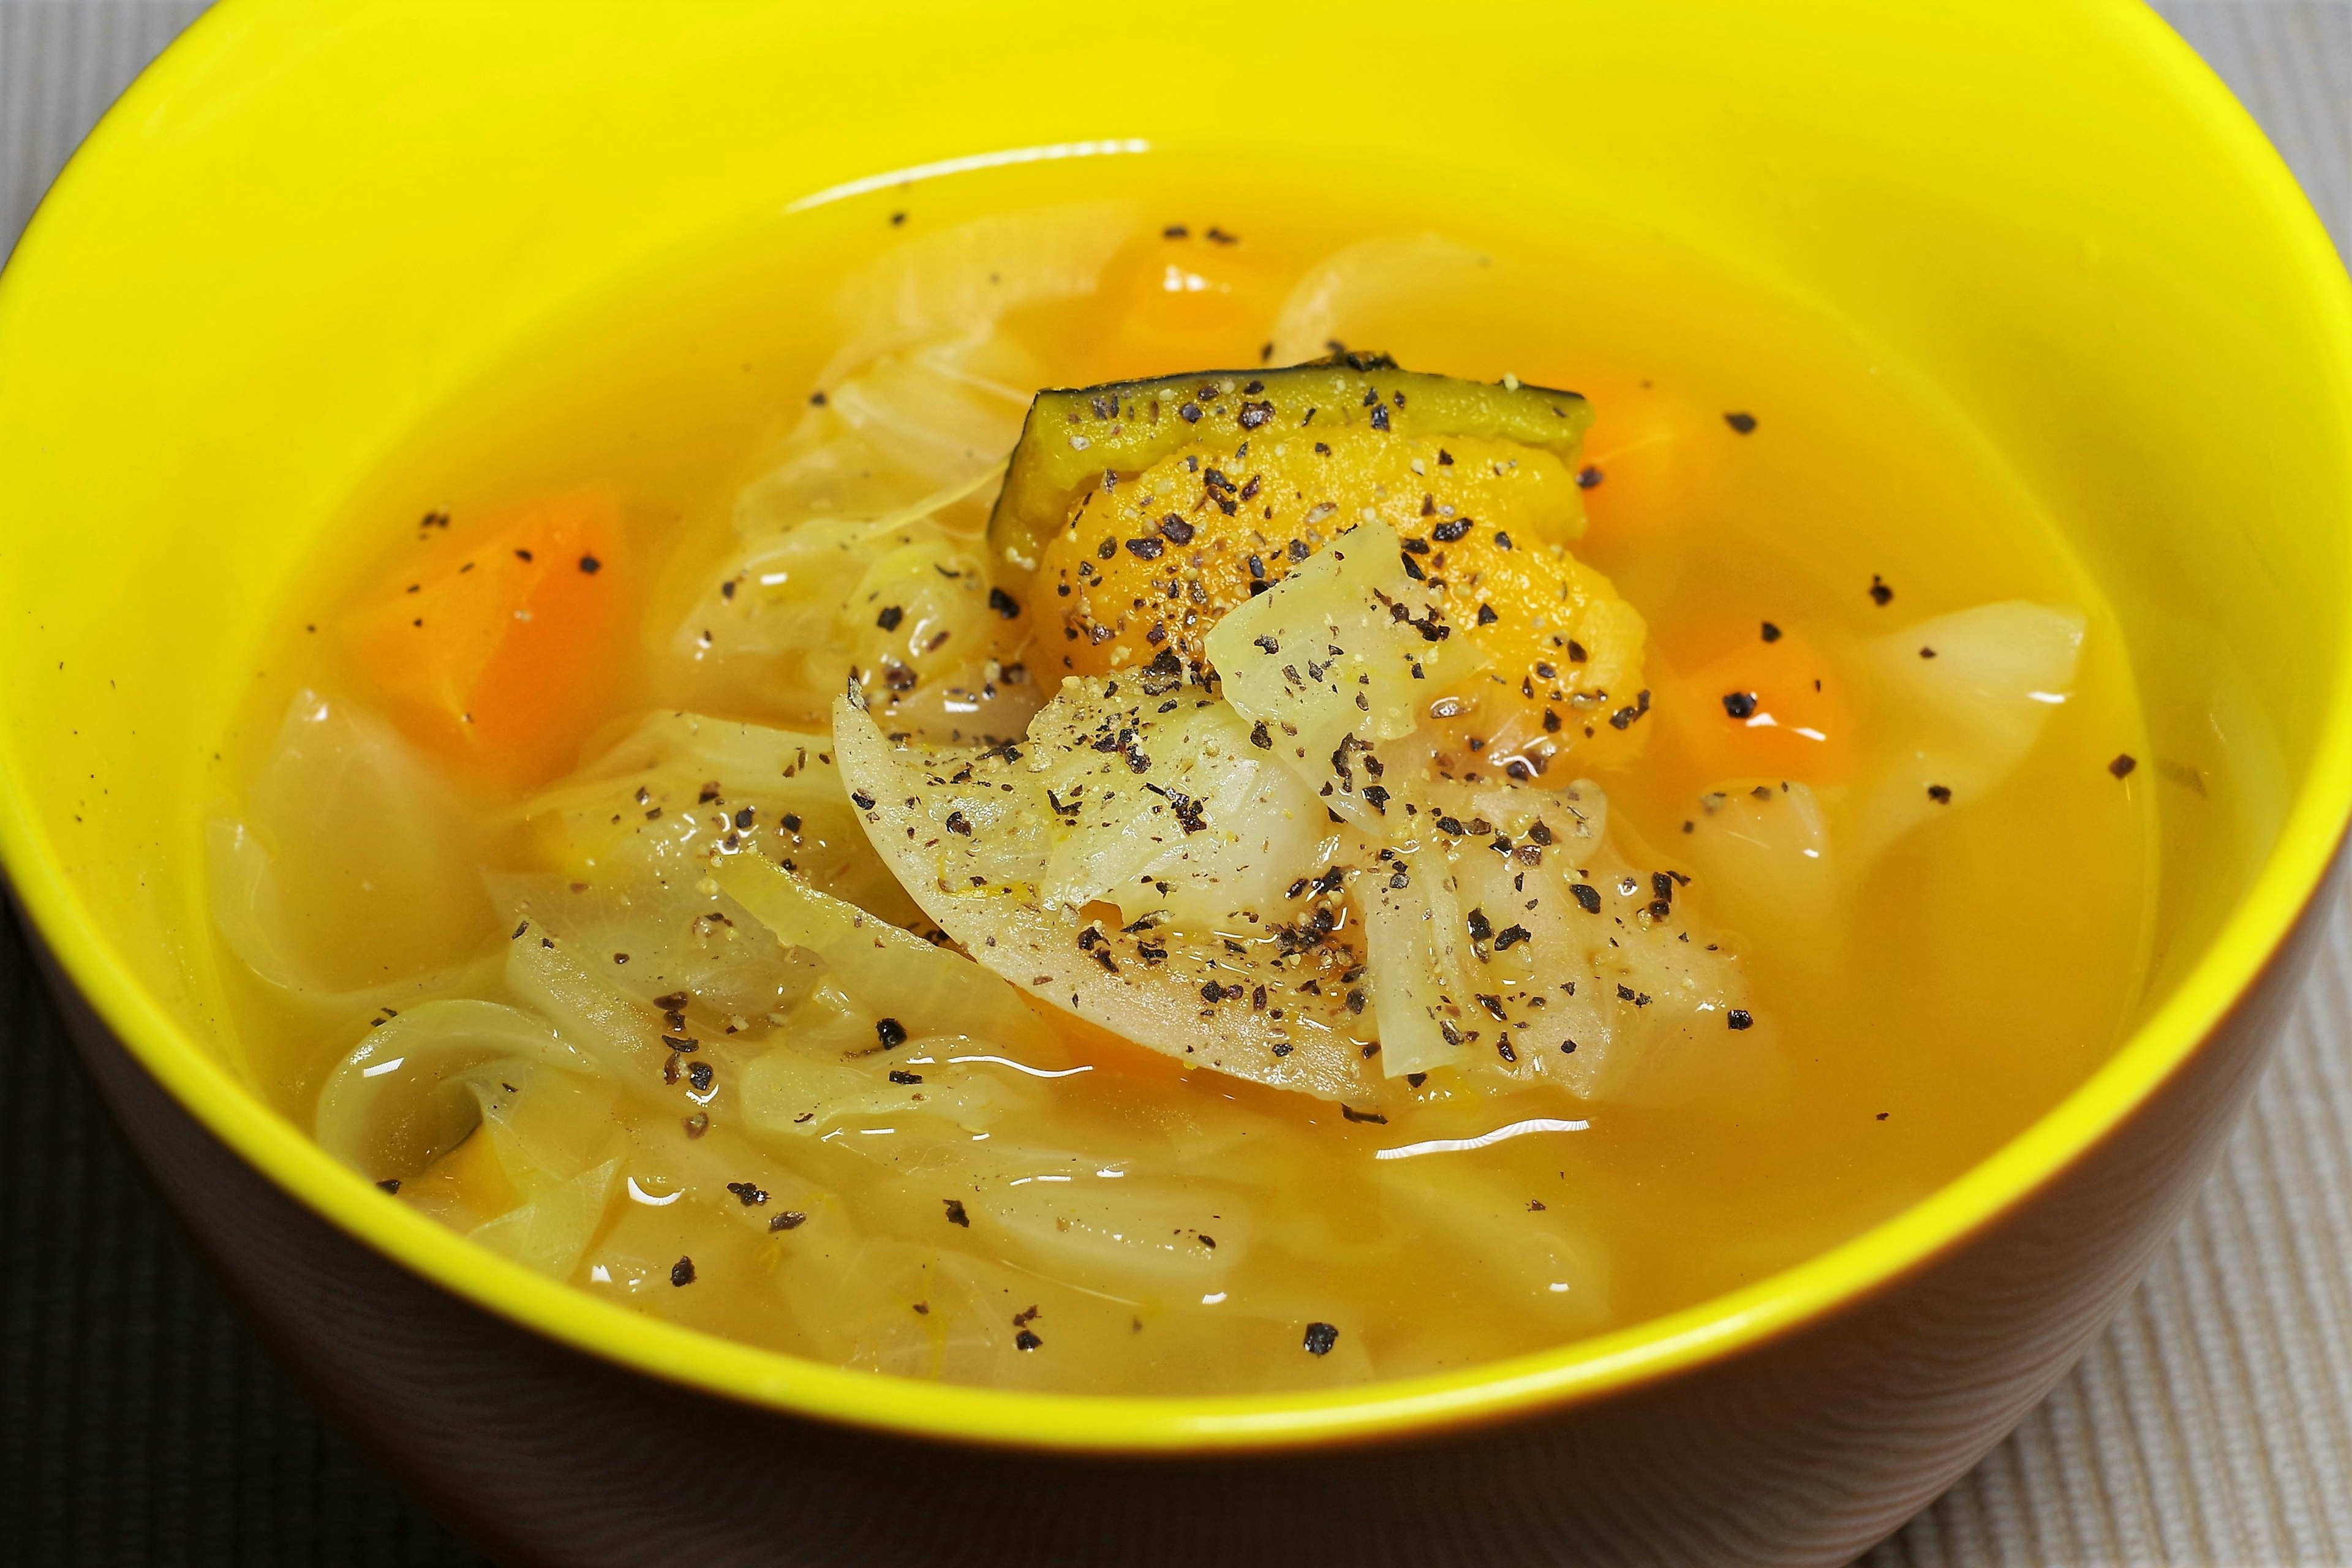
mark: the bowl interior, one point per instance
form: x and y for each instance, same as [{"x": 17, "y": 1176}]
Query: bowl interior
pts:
[{"x": 297, "y": 235}]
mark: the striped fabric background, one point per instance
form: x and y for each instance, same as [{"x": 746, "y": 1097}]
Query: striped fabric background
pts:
[{"x": 2211, "y": 1427}]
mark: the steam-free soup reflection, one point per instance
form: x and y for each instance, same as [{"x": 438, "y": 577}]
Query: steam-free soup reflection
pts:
[{"x": 1279, "y": 866}]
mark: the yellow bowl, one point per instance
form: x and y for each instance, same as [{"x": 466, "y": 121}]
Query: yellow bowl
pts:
[{"x": 307, "y": 224}]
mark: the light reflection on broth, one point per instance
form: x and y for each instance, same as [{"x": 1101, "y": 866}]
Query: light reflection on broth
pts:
[{"x": 528, "y": 882}]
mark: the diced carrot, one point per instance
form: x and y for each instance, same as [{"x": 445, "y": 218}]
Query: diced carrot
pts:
[
  {"x": 496, "y": 658},
  {"x": 1167, "y": 302},
  {"x": 1777, "y": 708}
]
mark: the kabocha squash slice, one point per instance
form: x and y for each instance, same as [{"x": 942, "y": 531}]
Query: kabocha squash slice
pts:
[{"x": 1073, "y": 435}]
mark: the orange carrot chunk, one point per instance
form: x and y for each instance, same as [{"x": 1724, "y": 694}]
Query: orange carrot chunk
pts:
[{"x": 496, "y": 660}]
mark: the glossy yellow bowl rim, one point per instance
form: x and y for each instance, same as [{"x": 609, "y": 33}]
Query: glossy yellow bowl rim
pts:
[{"x": 2282, "y": 894}]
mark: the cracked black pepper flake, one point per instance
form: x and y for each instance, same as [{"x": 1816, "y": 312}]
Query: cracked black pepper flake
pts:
[
  {"x": 1740, "y": 704},
  {"x": 1146, "y": 549},
  {"x": 1588, "y": 477},
  {"x": 900, "y": 1075},
  {"x": 955, "y": 1213},
  {"x": 2123, "y": 764},
  {"x": 1743, "y": 423},
  {"x": 1587, "y": 896},
  {"x": 862, "y": 801},
  {"x": 1740, "y": 1018},
  {"x": 1004, "y": 604},
  {"x": 1940, "y": 794},
  {"x": 1027, "y": 1340},
  {"x": 891, "y": 1032},
  {"x": 750, "y": 1193},
  {"x": 1352, "y": 1114},
  {"x": 1771, "y": 632},
  {"x": 682, "y": 1271},
  {"x": 1321, "y": 1338},
  {"x": 702, "y": 1074},
  {"x": 591, "y": 566},
  {"x": 790, "y": 1219},
  {"x": 1510, "y": 937},
  {"x": 389, "y": 1184},
  {"x": 1880, "y": 593}
]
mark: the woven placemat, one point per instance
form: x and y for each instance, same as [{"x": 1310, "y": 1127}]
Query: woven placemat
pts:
[{"x": 2211, "y": 1427}]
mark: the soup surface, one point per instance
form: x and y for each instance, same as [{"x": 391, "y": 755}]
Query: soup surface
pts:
[{"x": 1759, "y": 849}]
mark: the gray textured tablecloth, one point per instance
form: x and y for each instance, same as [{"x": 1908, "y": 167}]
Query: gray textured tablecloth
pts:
[{"x": 2212, "y": 1425}]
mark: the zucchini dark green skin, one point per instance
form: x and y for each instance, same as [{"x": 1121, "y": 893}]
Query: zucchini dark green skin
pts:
[{"x": 1074, "y": 436}]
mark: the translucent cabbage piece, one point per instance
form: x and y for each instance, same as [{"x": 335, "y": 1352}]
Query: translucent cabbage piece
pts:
[
  {"x": 1959, "y": 717},
  {"x": 404, "y": 1095},
  {"x": 425, "y": 1082},
  {"x": 929, "y": 990},
  {"x": 1764, "y": 848},
  {"x": 977, "y": 837},
  {"x": 1325, "y": 665},
  {"x": 345, "y": 879},
  {"x": 904, "y": 601},
  {"x": 649, "y": 813},
  {"x": 1383, "y": 292},
  {"x": 1521, "y": 944}
]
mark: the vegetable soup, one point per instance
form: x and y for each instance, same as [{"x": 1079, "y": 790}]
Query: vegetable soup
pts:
[{"x": 1083, "y": 777}]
